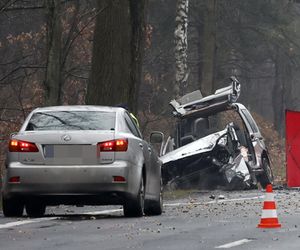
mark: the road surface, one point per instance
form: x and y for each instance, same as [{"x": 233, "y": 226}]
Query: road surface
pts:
[{"x": 200, "y": 220}]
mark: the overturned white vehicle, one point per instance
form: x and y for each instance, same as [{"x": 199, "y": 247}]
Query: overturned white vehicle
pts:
[{"x": 216, "y": 143}]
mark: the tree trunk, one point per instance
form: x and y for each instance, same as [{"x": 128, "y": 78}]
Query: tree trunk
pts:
[
  {"x": 117, "y": 53},
  {"x": 181, "y": 47},
  {"x": 53, "y": 69},
  {"x": 281, "y": 94},
  {"x": 208, "y": 48}
]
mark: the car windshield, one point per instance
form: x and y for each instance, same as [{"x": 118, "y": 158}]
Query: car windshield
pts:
[{"x": 72, "y": 120}]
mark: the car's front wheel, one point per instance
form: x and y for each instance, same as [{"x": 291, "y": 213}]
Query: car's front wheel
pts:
[
  {"x": 12, "y": 207},
  {"x": 135, "y": 207},
  {"x": 35, "y": 209}
]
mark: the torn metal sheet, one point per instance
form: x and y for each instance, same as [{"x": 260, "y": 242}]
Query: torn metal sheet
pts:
[
  {"x": 194, "y": 100},
  {"x": 197, "y": 147},
  {"x": 214, "y": 154}
]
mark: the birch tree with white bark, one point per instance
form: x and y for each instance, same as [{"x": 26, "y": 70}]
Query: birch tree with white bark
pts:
[{"x": 181, "y": 46}]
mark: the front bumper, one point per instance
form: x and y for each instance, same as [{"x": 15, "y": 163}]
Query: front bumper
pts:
[{"x": 90, "y": 184}]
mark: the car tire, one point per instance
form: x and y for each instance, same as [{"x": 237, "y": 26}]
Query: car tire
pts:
[
  {"x": 236, "y": 184},
  {"x": 155, "y": 207},
  {"x": 12, "y": 208},
  {"x": 266, "y": 177},
  {"x": 135, "y": 207},
  {"x": 35, "y": 209}
]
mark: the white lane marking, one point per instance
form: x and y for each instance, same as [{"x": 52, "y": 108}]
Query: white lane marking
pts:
[
  {"x": 103, "y": 212},
  {"x": 234, "y": 244},
  {"x": 23, "y": 222},
  {"x": 212, "y": 202},
  {"x": 175, "y": 204},
  {"x": 237, "y": 199}
]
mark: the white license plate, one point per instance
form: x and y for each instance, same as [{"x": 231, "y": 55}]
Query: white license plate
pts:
[{"x": 70, "y": 154}]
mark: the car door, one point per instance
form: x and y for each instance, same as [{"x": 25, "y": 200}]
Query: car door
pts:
[
  {"x": 154, "y": 173},
  {"x": 254, "y": 133},
  {"x": 135, "y": 131},
  {"x": 149, "y": 156}
]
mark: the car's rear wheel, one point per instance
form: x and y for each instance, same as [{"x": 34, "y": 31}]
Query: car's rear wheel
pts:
[
  {"x": 35, "y": 209},
  {"x": 266, "y": 177},
  {"x": 155, "y": 207},
  {"x": 135, "y": 207},
  {"x": 12, "y": 207}
]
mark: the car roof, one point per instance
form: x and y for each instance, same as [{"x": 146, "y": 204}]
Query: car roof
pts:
[
  {"x": 193, "y": 104},
  {"x": 79, "y": 108},
  {"x": 213, "y": 110}
]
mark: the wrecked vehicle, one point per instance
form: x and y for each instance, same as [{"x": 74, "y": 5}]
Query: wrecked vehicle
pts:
[{"x": 200, "y": 154}]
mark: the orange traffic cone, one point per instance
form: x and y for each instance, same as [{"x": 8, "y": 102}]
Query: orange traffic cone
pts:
[{"x": 269, "y": 217}]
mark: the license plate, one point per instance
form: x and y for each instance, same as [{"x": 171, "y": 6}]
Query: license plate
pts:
[
  {"x": 49, "y": 151},
  {"x": 70, "y": 154}
]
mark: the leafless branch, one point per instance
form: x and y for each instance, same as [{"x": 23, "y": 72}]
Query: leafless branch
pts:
[
  {"x": 17, "y": 60},
  {"x": 76, "y": 76},
  {"x": 7, "y": 4},
  {"x": 20, "y": 68},
  {"x": 69, "y": 46},
  {"x": 71, "y": 31},
  {"x": 24, "y": 8}
]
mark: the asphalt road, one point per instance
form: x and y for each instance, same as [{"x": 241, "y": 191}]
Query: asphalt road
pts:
[{"x": 193, "y": 222}]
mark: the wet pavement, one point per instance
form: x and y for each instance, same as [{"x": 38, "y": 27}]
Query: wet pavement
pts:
[{"x": 191, "y": 220}]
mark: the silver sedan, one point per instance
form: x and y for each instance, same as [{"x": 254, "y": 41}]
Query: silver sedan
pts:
[{"x": 81, "y": 155}]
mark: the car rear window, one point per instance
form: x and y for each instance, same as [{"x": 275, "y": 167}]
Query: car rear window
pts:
[{"x": 72, "y": 120}]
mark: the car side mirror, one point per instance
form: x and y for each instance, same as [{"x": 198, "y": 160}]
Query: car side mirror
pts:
[{"x": 156, "y": 137}]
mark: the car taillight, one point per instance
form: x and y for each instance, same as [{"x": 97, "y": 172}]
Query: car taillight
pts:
[
  {"x": 22, "y": 146},
  {"x": 14, "y": 179},
  {"x": 119, "y": 179},
  {"x": 119, "y": 145}
]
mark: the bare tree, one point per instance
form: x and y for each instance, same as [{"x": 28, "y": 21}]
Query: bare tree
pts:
[
  {"x": 208, "y": 48},
  {"x": 181, "y": 46},
  {"x": 54, "y": 37},
  {"x": 117, "y": 53}
]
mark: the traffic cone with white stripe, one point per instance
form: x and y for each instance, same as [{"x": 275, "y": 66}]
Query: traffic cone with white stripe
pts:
[{"x": 269, "y": 217}]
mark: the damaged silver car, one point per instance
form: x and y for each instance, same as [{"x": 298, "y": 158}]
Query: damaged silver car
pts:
[{"x": 216, "y": 143}]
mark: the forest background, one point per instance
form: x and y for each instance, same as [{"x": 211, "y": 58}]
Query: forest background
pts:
[{"x": 56, "y": 52}]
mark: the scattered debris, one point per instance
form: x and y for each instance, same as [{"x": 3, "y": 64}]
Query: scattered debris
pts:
[
  {"x": 212, "y": 197},
  {"x": 221, "y": 197}
]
